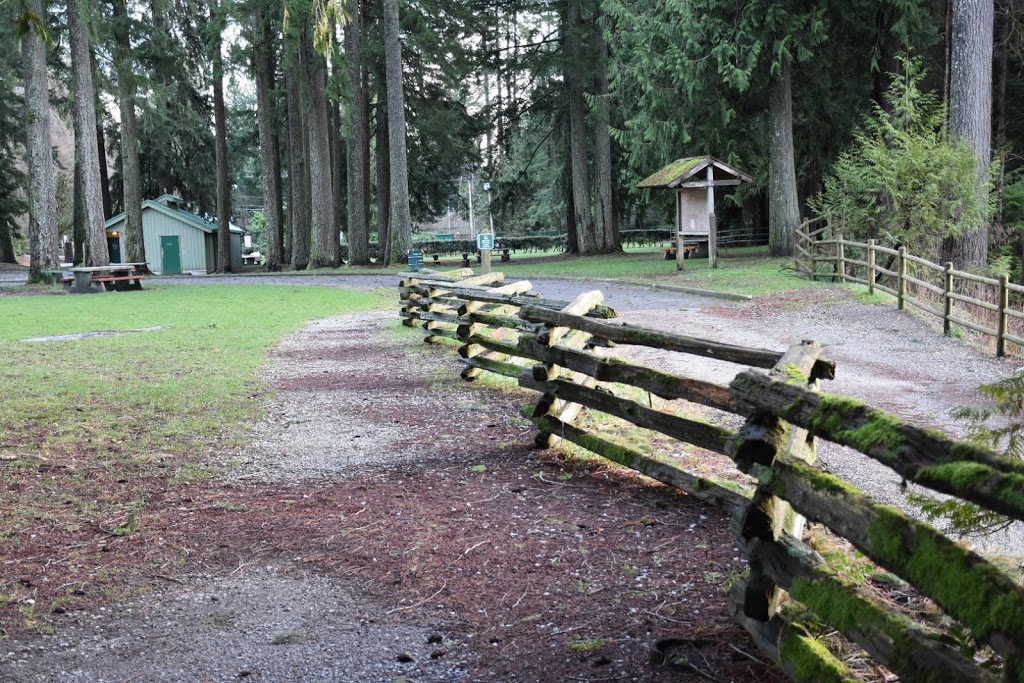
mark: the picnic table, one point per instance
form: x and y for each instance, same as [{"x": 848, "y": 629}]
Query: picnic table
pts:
[{"x": 115, "y": 276}]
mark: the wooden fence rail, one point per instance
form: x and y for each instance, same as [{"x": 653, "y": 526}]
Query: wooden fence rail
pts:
[
  {"x": 564, "y": 351},
  {"x": 817, "y": 246}
]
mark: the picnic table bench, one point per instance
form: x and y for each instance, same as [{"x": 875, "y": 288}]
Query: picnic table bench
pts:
[
  {"x": 670, "y": 251},
  {"x": 119, "y": 277}
]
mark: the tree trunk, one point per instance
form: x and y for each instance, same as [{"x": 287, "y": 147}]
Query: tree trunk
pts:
[
  {"x": 131, "y": 175},
  {"x": 323, "y": 245},
  {"x": 783, "y": 206},
  {"x": 586, "y": 236},
  {"x": 970, "y": 113},
  {"x": 263, "y": 67},
  {"x": 221, "y": 150},
  {"x": 608, "y": 229},
  {"x": 85, "y": 138},
  {"x": 384, "y": 240},
  {"x": 358, "y": 231},
  {"x": 298, "y": 170},
  {"x": 400, "y": 217},
  {"x": 78, "y": 236}
]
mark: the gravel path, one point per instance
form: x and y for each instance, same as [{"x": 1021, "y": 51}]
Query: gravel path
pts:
[{"x": 274, "y": 621}]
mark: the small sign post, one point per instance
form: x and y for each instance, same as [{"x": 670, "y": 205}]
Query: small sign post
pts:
[{"x": 484, "y": 244}]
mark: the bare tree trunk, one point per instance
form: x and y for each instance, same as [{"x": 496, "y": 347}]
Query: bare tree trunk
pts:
[
  {"x": 358, "y": 230},
  {"x": 78, "y": 236},
  {"x": 970, "y": 113},
  {"x": 131, "y": 175},
  {"x": 400, "y": 216},
  {"x": 263, "y": 67},
  {"x": 85, "y": 138},
  {"x": 608, "y": 237},
  {"x": 220, "y": 126},
  {"x": 384, "y": 239},
  {"x": 7, "y": 254},
  {"x": 298, "y": 170},
  {"x": 783, "y": 206},
  {"x": 101, "y": 146},
  {"x": 586, "y": 236},
  {"x": 323, "y": 249}
]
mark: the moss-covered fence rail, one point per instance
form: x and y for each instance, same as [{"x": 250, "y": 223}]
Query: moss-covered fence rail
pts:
[
  {"x": 567, "y": 352},
  {"x": 991, "y": 306}
]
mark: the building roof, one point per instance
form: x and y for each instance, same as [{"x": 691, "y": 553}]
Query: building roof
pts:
[
  {"x": 165, "y": 204},
  {"x": 680, "y": 170}
]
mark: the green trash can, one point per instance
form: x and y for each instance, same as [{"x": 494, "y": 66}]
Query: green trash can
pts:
[{"x": 415, "y": 260}]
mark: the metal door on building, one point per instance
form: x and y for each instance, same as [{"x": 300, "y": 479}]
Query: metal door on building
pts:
[{"x": 170, "y": 254}]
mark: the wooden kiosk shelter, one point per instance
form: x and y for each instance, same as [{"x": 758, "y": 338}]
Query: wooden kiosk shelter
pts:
[{"x": 694, "y": 179}]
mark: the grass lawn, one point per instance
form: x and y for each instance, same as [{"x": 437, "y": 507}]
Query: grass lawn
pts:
[
  {"x": 183, "y": 387},
  {"x": 742, "y": 270}
]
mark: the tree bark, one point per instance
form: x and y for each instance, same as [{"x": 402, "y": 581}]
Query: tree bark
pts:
[
  {"x": 131, "y": 175},
  {"x": 970, "y": 113},
  {"x": 586, "y": 237},
  {"x": 608, "y": 236},
  {"x": 358, "y": 230},
  {"x": 263, "y": 67},
  {"x": 323, "y": 244},
  {"x": 400, "y": 216},
  {"x": 384, "y": 240},
  {"x": 221, "y": 149},
  {"x": 298, "y": 170},
  {"x": 85, "y": 138},
  {"x": 783, "y": 206}
]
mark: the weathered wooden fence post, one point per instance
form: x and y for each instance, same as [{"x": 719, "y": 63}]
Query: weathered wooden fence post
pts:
[
  {"x": 549, "y": 404},
  {"x": 871, "y": 266},
  {"x": 840, "y": 258},
  {"x": 1004, "y": 303},
  {"x": 947, "y": 298},
  {"x": 762, "y": 439},
  {"x": 713, "y": 241},
  {"x": 901, "y": 277}
]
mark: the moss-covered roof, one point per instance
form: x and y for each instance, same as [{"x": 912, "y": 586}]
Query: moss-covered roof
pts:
[
  {"x": 681, "y": 169},
  {"x": 678, "y": 168}
]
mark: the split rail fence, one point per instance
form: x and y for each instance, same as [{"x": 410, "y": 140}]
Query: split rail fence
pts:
[
  {"x": 976, "y": 302},
  {"x": 563, "y": 350}
]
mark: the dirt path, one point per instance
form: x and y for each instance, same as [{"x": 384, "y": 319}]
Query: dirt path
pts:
[{"x": 390, "y": 523}]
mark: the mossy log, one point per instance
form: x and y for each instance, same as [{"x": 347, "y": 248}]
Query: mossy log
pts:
[
  {"x": 498, "y": 367},
  {"x": 449, "y": 318},
  {"x": 427, "y": 274},
  {"x": 803, "y": 658},
  {"x": 924, "y": 456},
  {"x": 489, "y": 343},
  {"x": 761, "y": 440},
  {"x": 700, "y": 434},
  {"x": 892, "y": 639},
  {"x": 962, "y": 583},
  {"x": 520, "y": 287},
  {"x": 641, "y": 336},
  {"x": 429, "y": 335},
  {"x": 656, "y": 466},
  {"x": 581, "y": 305},
  {"x": 483, "y": 280},
  {"x": 661, "y": 384},
  {"x": 505, "y": 321},
  {"x": 484, "y": 296}
]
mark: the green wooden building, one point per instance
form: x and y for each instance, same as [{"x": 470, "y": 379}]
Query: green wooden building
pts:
[{"x": 176, "y": 241}]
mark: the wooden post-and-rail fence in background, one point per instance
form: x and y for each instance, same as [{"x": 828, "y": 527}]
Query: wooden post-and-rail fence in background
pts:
[
  {"x": 564, "y": 350},
  {"x": 937, "y": 289}
]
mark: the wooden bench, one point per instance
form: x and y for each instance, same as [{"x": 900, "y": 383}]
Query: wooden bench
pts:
[
  {"x": 505, "y": 257},
  {"x": 116, "y": 276},
  {"x": 670, "y": 252},
  {"x": 134, "y": 281}
]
